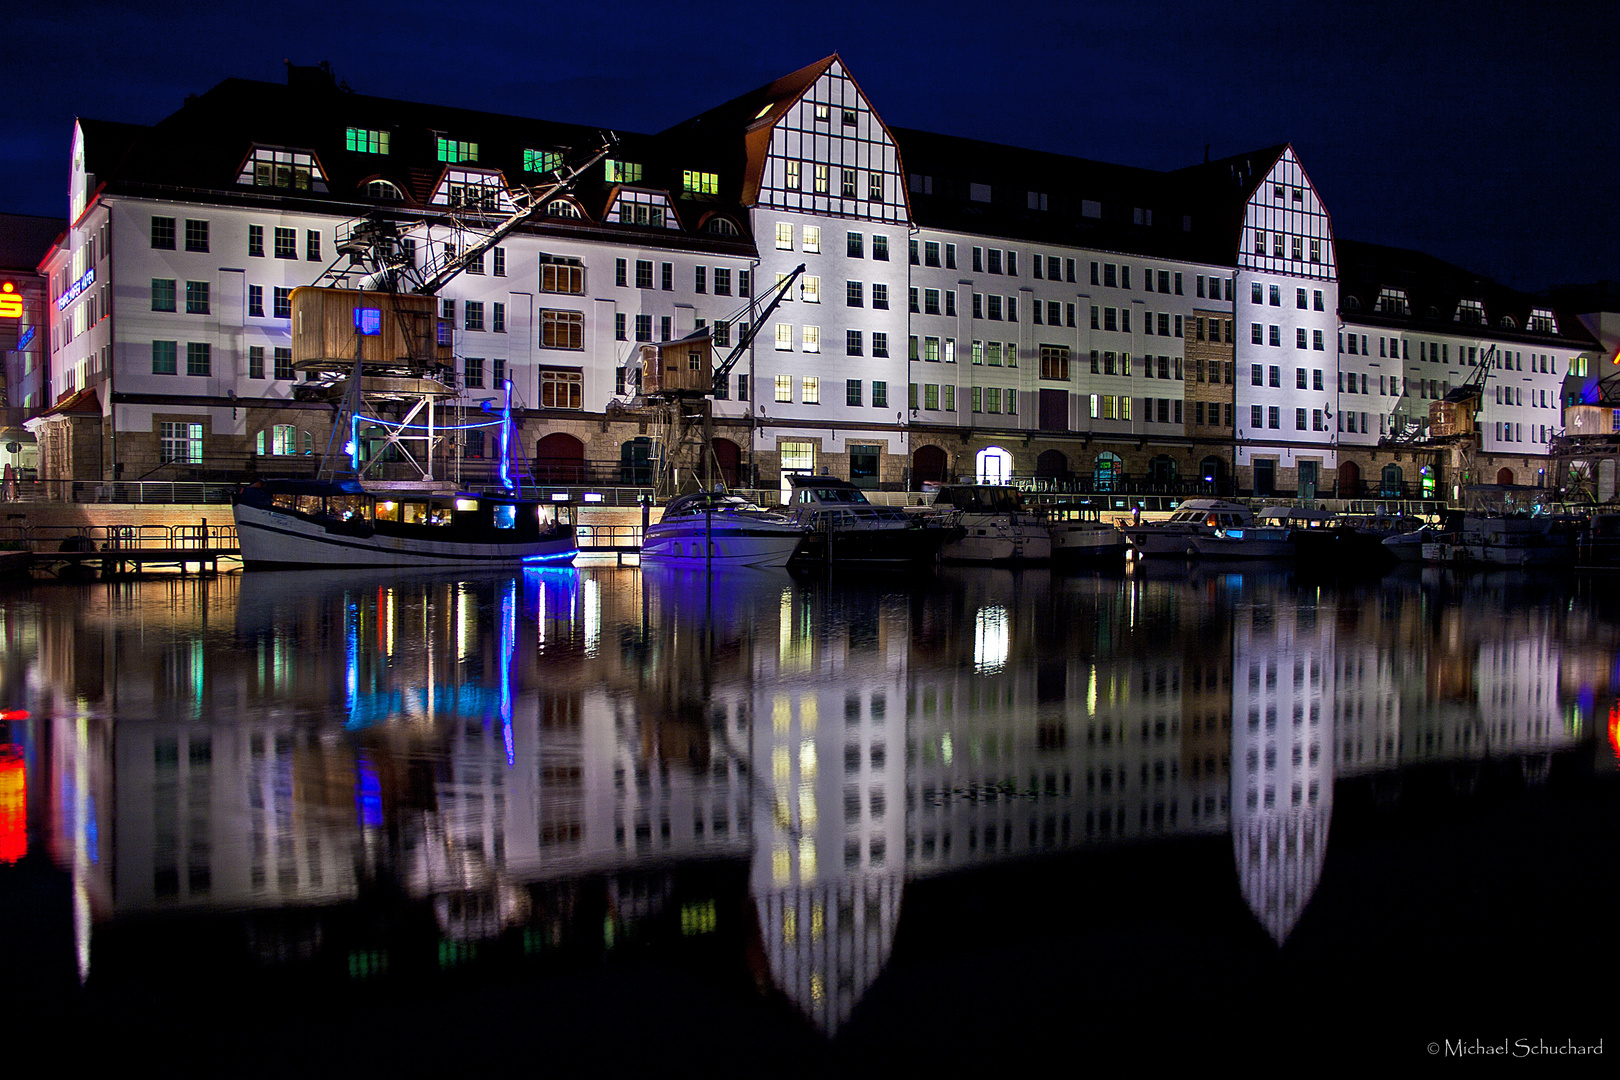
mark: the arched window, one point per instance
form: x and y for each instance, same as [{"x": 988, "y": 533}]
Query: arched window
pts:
[
  {"x": 720, "y": 226},
  {"x": 385, "y": 190},
  {"x": 1162, "y": 469},
  {"x": 993, "y": 465},
  {"x": 1352, "y": 304},
  {"x": 562, "y": 208},
  {"x": 1110, "y": 471}
]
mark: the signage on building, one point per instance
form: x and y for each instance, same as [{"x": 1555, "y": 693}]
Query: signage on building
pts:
[
  {"x": 77, "y": 289},
  {"x": 26, "y": 338},
  {"x": 11, "y": 305}
]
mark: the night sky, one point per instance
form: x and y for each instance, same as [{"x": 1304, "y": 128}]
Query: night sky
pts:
[{"x": 1484, "y": 133}]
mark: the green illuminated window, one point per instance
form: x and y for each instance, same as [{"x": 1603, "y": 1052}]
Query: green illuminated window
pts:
[
  {"x": 701, "y": 183},
  {"x": 453, "y": 151},
  {"x": 541, "y": 161},
  {"x": 365, "y": 141},
  {"x": 622, "y": 172}
]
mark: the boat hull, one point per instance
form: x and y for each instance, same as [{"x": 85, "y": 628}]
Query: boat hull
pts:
[
  {"x": 272, "y": 540},
  {"x": 724, "y": 544}
]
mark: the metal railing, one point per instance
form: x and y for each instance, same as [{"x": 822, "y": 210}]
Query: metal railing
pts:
[
  {"x": 129, "y": 492},
  {"x": 74, "y": 539}
]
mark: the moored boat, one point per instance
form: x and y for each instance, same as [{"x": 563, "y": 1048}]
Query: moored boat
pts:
[
  {"x": 713, "y": 528},
  {"x": 844, "y": 527},
  {"x": 995, "y": 525},
  {"x": 1079, "y": 534},
  {"x": 290, "y": 524},
  {"x": 1193, "y": 518}
]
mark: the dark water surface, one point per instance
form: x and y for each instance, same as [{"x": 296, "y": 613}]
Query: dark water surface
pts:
[{"x": 751, "y": 822}]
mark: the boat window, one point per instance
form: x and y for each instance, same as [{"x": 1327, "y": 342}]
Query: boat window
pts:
[
  {"x": 466, "y": 504},
  {"x": 284, "y": 500},
  {"x": 309, "y": 504},
  {"x": 505, "y": 515},
  {"x": 414, "y": 513},
  {"x": 388, "y": 510}
]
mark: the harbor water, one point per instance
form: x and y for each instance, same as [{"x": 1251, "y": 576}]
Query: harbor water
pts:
[{"x": 753, "y": 821}]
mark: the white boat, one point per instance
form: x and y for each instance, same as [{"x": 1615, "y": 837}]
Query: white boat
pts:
[
  {"x": 995, "y": 525},
  {"x": 292, "y": 524},
  {"x": 713, "y": 528},
  {"x": 1079, "y": 533},
  {"x": 1193, "y": 518},
  {"x": 1256, "y": 541}
]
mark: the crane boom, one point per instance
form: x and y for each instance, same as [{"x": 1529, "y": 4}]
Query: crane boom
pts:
[
  {"x": 747, "y": 338},
  {"x": 525, "y": 201}
]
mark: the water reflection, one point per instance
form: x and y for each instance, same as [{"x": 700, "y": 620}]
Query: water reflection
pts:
[{"x": 586, "y": 758}]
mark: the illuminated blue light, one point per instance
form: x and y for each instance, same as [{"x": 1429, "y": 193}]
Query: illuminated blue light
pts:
[
  {"x": 558, "y": 557},
  {"x": 368, "y": 321}
]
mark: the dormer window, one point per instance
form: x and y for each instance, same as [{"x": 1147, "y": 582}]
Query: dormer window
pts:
[
  {"x": 622, "y": 172},
  {"x": 562, "y": 208},
  {"x": 720, "y": 226},
  {"x": 542, "y": 161},
  {"x": 453, "y": 151},
  {"x": 1543, "y": 321},
  {"x": 700, "y": 183},
  {"x": 385, "y": 190},
  {"x": 365, "y": 141},
  {"x": 643, "y": 208},
  {"x": 1471, "y": 312},
  {"x": 763, "y": 109},
  {"x": 1393, "y": 302},
  {"x": 295, "y": 170},
  {"x": 468, "y": 190}
]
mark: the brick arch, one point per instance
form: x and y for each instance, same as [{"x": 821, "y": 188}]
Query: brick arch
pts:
[
  {"x": 928, "y": 463},
  {"x": 559, "y": 458}
]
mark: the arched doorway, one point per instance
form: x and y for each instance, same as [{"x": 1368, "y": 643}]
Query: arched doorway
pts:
[
  {"x": 927, "y": 467},
  {"x": 637, "y": 462},
  {"x": 1349, "y": 479},
  {"x": 1109, "y": 472},
  {"x": 559, "y": 458},
  {"x": 1052, "y": 465},
  {"x": 728, "y": 457},
  {"x": 1162, "y": 469},
  {"x": 993, "y": 465},
  {"x": 1504, "y": 475},
  {"x": 1390, "y": 485}
]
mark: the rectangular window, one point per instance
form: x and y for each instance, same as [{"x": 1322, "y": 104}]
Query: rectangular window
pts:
[
  {"x": 700, "y": 183},
  {"x": 784, "y": 387},
  {"x": 281, "y": 300},
  {"x": 1256, "y": 417},
  {"x": 1276, "y": 336},
  {"x": 811, "y": 339},
  {"x": 852, "y": 392},
  {"x": 453, "y": 150},
  {"x": 286, "y": 243},
  {"x": 566, "y": 329},
  {"x": 163, "y": 296},
  {"x": 880, "y": 248},
  {"x": 498, "y": 318},
  {"x": 561, "y": 388},
  {"x": 822, "y": 179},
  {"x": 196, "y": 298},
  {"x": 199, "y": 358},
  {"x": 794, "y": 181},
  {"x": 256, "y": 241},
  {"x": 666, "y": 276},
  {"x": 880, "y": 296},
  {"x": 880, "y": 347},
  {"x": 475, "y": 315},
  {"x": 472, "y": 372},
  {"x": 312, "y": 245},
  {"x": 563, "y": 275},
  {"x": 196, "y": 235},
  {"x": 644, "y": 278},
  {"x": 180, "y": 443},
  {"x": 880, "y": 392},
  {"x": 164, "y": 358},
  {"x": 854, "y": 245},
  {"x": 930, "y": 301},
  {"x": 1274, "y": 418},
  {"x": 621, "y": 273},
  {"x": 931, "y": 253},
  {"x": 255, "y": 361},
  {"x": 784, "y": 338},
  {"x": 1299, "y": 337},
  {"x": 1055, "y": 362},
  {"x": 284, "y": 364},
  {"x": 163, "y": 233},
  {"x": 853, "y": 296},
  {"x": 810, "y": 289}
]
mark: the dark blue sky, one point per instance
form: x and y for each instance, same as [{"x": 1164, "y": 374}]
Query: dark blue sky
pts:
[{"x": 1481, "y": 132}]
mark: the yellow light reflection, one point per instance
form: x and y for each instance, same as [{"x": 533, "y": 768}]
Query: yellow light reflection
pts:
[
  {"x": 808, "y": 713},
  {"x": 779, "y": 764},
  {"x": 807, "y": 806},
  {"x": 807, "y": 861},
  {"x": 807, "y": 760},
  {"x": 780, "y": 870},
  {"x": 945, "y": 748},
  {"x": 818, "y": 920},
  {"x": 1091, "y": 692},
  {"x": 781, "y": 713}
]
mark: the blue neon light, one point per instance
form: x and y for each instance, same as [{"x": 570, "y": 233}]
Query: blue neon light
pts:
[
  {"x": 561, "y": 556},
  {"x": 26, "y": 338},
  {"x": 506, "y": 438}
]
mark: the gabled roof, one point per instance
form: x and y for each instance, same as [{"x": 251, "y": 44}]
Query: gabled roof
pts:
[{"x": 737, "y": 135}]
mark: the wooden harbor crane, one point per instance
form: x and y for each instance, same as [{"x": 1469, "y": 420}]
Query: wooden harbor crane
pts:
[
  {"x": 677, "y": 381},
  {"x": 368, "y": 333}
]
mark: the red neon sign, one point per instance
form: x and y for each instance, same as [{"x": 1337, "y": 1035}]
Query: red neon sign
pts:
[{"x": 10, "y": 303}]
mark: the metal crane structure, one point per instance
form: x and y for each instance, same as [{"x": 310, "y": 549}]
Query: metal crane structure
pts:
[
  {"x": 676, "y": 381},
  {"x": 368, "y": 334},
  {"x": 1452, "y": 427},
  {"x": 1586, "y": 453}
]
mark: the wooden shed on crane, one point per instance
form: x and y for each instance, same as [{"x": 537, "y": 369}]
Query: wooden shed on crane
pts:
[
  {"x": 388, "y": 329},
  {"x": 683, "y": 367}
]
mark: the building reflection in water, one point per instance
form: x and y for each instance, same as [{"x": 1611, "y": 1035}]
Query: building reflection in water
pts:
[{"x": 587, "y": 757}]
